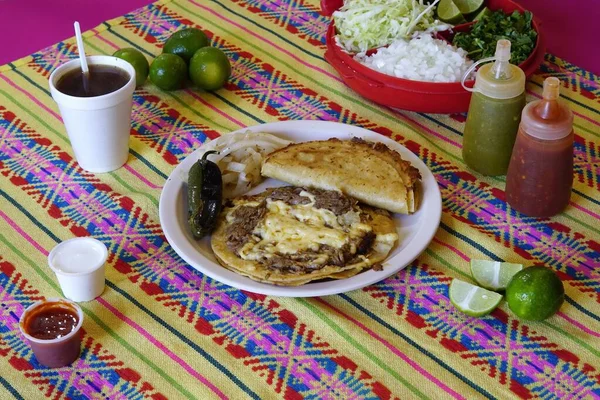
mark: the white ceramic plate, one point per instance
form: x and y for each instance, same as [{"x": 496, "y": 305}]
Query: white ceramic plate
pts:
[{"x": 415, "y": 231}]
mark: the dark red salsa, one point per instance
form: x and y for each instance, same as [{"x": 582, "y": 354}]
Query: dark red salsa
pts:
[{"x": 51, "y": 321}]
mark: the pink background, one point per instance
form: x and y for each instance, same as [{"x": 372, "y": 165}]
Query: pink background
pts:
[{"x": 30, "y": 25}]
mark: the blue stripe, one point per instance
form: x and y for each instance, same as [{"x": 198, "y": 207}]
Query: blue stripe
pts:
[
  {"x": 34, "y": 220},
  {"x": 11, "y": 389},
  {"x": 238, "y": 109},
  {"x": 471, "y": 242},
  {"x": 184, "y": 339},
  {"x": 440, "y": 123},
  {"x": 131, "y": 151},
  {"x": 585, "y": 196},
  {"x": 415, "y": 345},
  {"x": 148, "y": 164},
  {"x": 581, "y": 309}
]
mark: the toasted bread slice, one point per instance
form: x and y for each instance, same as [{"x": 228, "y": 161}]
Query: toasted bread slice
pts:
[{"x": 370, "y": 172}]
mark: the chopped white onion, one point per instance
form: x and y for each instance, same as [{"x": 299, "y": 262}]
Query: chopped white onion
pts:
[
  {"x": 421, "y": 58},
  {"x": 240, "y": 159}
]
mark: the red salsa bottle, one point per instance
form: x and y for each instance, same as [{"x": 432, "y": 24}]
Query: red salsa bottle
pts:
[{"x": 540, "y": 173}]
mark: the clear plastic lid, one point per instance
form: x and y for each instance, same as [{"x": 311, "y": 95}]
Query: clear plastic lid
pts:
[
  {"x": 500, "y": 80},
  {"x": 548, "y": 118}
]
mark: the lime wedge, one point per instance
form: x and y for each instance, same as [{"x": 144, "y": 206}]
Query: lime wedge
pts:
[
  {"x": 473, "y": 300},
  {"x": 483, "y": 13},
  {"x": 468, "y": 6},
  {"x": 448, "y": 12},
  {"x": 493, "y": 275}
]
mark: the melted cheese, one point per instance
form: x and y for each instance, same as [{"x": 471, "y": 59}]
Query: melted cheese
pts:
[{"x": 292, "y": 229}]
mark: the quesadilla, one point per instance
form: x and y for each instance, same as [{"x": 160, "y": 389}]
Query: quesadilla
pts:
[
  {"x": 370, "y": 172},
  {"x": 290, "y": 236}
]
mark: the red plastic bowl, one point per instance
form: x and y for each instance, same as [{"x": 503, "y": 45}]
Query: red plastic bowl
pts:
[{"x": 406, "y": 94}]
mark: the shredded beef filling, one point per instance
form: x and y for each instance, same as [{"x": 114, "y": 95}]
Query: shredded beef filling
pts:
[
  {"x": 331, "y": 200},
  {"x": 245, "y": 219},
  {"x": 289, "y": 195},
  {"x": 305, "y": 261}
]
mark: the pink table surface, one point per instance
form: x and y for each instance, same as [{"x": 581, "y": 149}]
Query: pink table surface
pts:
[{"x": 569, "y": 25}]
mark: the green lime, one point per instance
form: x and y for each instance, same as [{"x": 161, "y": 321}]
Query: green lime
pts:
[
  {"x": 535, "y": 293},
  {"x": 493, "y": 275},
  {"x": 168, "y": 71},
  {"x": 448, "y": 12},
  {"x": 210, "y": 68},
  {"x": 185, "y": 43},
  {"x": 485, "y": 12},
  {"x": 137, "y": 60},
  {"x": 468, "y": 6},
  {"x": 473, "y": 300}
]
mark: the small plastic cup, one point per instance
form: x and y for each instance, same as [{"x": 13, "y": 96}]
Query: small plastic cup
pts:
[
  {"x": 57, "y": 352},
  {"x": 98, "y": 127},
  {"x": 79, "y": 265}
]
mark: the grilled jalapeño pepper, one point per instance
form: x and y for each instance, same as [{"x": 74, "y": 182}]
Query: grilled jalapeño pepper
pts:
[{"x": 205, "y": 192}]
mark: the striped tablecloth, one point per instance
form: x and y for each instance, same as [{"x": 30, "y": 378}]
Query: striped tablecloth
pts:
[{"x": 163, "y": 330}]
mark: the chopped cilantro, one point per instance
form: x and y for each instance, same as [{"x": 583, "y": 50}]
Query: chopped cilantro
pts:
[{"x": 480, "y": 42}]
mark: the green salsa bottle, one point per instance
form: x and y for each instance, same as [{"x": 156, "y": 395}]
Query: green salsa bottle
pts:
[{"x": 494, "y": 113}]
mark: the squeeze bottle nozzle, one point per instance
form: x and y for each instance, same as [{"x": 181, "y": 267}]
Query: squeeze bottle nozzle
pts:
[
  {"x": 501, "y": 68},
  {"x": 548, "y": 108},
  {"x": 551, "y": 88}
]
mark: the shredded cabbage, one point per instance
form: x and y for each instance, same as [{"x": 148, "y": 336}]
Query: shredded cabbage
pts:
[{"x": 369, "y": 24}]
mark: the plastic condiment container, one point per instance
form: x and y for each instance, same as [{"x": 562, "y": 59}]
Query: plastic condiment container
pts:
[
  {"x": 540, "y": 175},
  {"x": 98, "y": 127},
  {"x": 494, "y": 113},
  {"x": 79, "y": 265},
  {"x": 52, "y": 328}
]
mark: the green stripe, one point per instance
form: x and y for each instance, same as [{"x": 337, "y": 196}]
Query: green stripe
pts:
[
  {"x": 96, "y": 319},
  {"x": 319, "y": 313},
  {"x": 573, "y": 338},
  {"x": 581, "y": 223},
  {"x": 127, "y": 186},
  {"x": 132, "y": 349},
  {"x": 586, "y": 129},
  {"x": 434, "y": 255}
]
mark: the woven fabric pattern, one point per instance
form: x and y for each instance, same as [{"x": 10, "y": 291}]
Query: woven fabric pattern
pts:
[{"x": 163, "y": 330}]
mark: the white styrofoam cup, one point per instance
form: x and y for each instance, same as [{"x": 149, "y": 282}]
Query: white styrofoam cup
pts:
[
  {"x": 79, "y": 265},
  {"x": 98, "y": 127}
]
